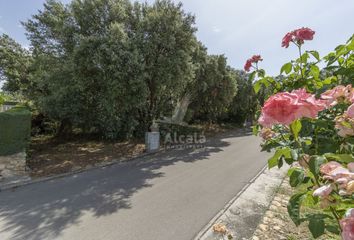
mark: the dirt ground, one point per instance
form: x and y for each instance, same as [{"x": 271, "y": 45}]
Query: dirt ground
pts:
[{"x": 49, "y": 157}]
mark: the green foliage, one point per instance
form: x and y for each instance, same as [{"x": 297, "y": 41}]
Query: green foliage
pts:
[
  {"x": 278, "y": 157},
  {"x": 294, "y": 207},
  {"x": 244, "y": 104},
  {"x": 286, "y": 68},
  {"x": 166, "y": 42},
  {"x": 296, "y": 128},
  {"x": 15, "y": 128},
  {"x": 14, "y": 65},
  {"x": 317, "y": 227},
  {"x": 216, "y": 86},
  {"x": 314, "y": 165},
  {"x": 110, "y": 67},
  {"x": 297, "y": 176}
]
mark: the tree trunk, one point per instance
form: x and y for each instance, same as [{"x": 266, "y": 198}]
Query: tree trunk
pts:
[
  {"x": 181, "y": 109},
  {"x": 65, "y": 129}
]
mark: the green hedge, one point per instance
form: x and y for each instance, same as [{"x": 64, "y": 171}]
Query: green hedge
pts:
[{"x": 15, "y": 129}]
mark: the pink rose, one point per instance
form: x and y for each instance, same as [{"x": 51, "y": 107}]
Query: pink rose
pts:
[
  {"x": 345, "y": 123},
  {"x": 323, "y": 191},
  {"x": 279, "y": 108},
  {"x": 344, "y": 126},
  {"x": 248, "y": 66},
  {"x": 336, "y": 173},
  {"x": 342, "y": 176},
  {"x": 310, "y": 105},
  {"x": 337, "y": 95},
  {"x": 297, "y": 36},
  {"x": 347, "y": 189},
  {"x": 256, "y": 58},
  {"x": 287, "y": 39},
  {"x": 350, "y": 111},
  {"x": 329, "y": 167},
  {"x": 250, "y": 61},
  {"x": 347, "y": 225},
  {"x": 304, "y": 34},
  {"x": 342, "y": 182},
  {"x": 284, "y": 108}
]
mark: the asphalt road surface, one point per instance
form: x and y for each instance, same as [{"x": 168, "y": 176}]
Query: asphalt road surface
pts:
[{"x": 167, "y": 196}]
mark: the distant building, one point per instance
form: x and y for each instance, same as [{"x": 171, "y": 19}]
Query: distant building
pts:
[{"x": 7, "y": 106}]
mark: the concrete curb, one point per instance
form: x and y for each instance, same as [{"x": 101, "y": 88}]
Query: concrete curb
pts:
[
  {"x": 25, "y": 182},
  {"x": 243, "y": 213}
]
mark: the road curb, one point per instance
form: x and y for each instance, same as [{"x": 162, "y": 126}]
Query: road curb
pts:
[
  {"x": 232, "y": 215},
  {"x": 9, "y": 186}
]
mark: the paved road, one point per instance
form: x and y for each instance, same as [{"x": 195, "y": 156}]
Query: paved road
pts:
[{"x": 171, "y": 195}]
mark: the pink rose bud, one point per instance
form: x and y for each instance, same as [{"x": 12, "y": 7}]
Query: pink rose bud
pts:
[
  {"x": 342, "y": 182},
  {"x": 323, "y": 191}
]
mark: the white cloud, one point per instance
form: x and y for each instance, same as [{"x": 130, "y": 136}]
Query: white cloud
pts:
[{"x": 216, "y": 29}]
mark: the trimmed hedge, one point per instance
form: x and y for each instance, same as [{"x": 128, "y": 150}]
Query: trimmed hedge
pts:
[{"x": 15, "y": 130}]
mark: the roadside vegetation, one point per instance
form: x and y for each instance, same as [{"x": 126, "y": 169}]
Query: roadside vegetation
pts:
[
  {"x": 110, "y": 68},
  {"x": 100, "y": 72}
]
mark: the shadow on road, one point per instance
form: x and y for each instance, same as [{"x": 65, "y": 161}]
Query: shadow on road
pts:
[{"x": 43, "y": 211}]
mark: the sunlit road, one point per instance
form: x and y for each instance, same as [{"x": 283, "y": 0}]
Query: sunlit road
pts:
[{"x": 170, "y": 195}]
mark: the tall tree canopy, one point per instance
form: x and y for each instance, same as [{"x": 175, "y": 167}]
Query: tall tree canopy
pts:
[
  {"x": 245, "y": 104},
  {"x": 215, "y": 87},
  {"x": 111, "y": 67},
  {"x": 15, "y": 62}
]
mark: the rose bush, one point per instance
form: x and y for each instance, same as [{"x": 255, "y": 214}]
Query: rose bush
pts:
[{"x": 308, "y": 122}]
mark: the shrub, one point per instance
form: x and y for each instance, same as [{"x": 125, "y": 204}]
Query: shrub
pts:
[{"x": 15, "y": 129}]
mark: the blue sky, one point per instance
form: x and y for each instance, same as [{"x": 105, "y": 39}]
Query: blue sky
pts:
[{"x": 237, "y": 28}]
